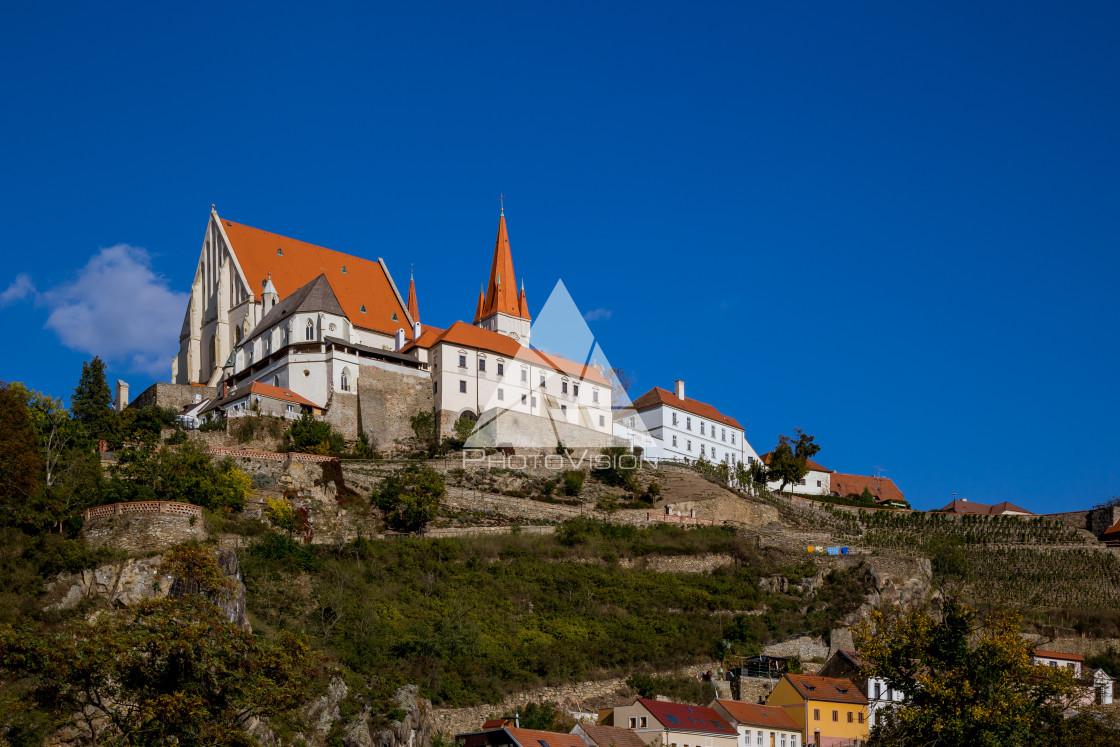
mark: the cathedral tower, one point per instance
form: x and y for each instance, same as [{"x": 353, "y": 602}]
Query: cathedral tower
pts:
[{"x": 501, "y": 309}]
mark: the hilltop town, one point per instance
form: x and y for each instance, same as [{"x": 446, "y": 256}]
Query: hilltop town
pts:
[{"x": 388, "y": 532}]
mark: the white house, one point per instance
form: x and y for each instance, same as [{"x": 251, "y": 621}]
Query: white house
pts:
[
  {"x": 690, "y": 429},
  {"x": 816, "y": 481},
  {"x": 769, "y": 726}
]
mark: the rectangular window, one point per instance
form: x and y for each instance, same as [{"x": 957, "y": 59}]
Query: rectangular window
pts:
[
  {"x": 501, "y": 395},
  {"x": 291, "y": 408},
  {"x": 689, "y": 442},
  {"x": 732, "y": 438},
  {"x": 633, "y": 723},
  {"x": 878, "y": 690},
  {"x": 836, "y": 716},
  {"x": 534, "y": 403},
  {"x": 522, "y": 399},
  {"x": 701, "y": 427},
  {"x": 481, "y": 364},
  {"x": 816, "y": 714},
  {"x": 688, "y": 424},
  {"x": 524, "y": 374},
  {"x": 722, "y": 434},
  {"x": 850, "y": 717},
  {"x": 674, "y": 418},
  {"x": 642, "y": 722},
  {"x": 575, "y": 390},
  {"x": 436, "y": 388},
  {"x": 595, "y": 396},
  {"x": 818, "y": 483},
  {"x": 462, "y": 361},
  {"x": 861, "y": 717},
  {"x": 563, "y": 387},
  {"x": 542, "y": 380},
  {"x": 602, "y": 421},
  {"x": 674, "y": 441},
  {"x": 501, "y": 369},
  {"x": 701, "y": 449},
  {"x": 462, "y": 386},
  {"x": 759, "y": 737},
  {"x": 563, "y": 408}
]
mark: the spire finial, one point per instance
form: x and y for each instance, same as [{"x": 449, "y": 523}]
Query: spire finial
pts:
[
  {"x": 502, "y": 202},
  {"x": 522, "y": 284},
  {"x": 411, "y": 270},
  {"x": 211, "y": 207}
]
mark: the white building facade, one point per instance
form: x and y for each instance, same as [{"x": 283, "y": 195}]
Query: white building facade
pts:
[{"x": 689, "y": 429}]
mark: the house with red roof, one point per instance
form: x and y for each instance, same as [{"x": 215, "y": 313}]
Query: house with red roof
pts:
[
  {"x": 688, "y": 429},
  {"x": 676, "y": 724},
  {"x": 257, "y": 398},
  {"x": 760, "y": 724},
  {"x": 882, "y": 489},
  {"x": 817, "y": 481},
  {"x": 831, "y": 711},
  {"x": 512, "y": 736},
  {"x": 1003, "y": 508}
]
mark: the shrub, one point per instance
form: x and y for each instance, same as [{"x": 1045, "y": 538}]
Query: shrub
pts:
[
  {"x": 409, "y": 498},
  {"x": 197, "y": 567},
  {"x": 311, "y": 436},
  {"x": 615, "y": 474},
  {"x": 573, "y": 482}
]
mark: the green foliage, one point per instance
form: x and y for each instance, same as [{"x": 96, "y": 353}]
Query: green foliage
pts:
[
  {"x": 161, "y": 672},
  {"x": 281, "y": 515},
  {"x": 21, "y": 465},
  {"x": 463, "y": 428},
  {"x": 573, "y": 483},
  {"x": 91, "y": 405},
  {"x": 966, "y": 678},
  {"x": 184, "y": 473},
  {"x": 615, "y": 473},
  {"x": 423, "y": 427},
  {"x": 310, "y": 436},
  {"x": 363, "y": 449},
  {"x": 28, "y": 560},
  {"x": 677, "y": 689},
  {"x": 789, "y": 459},
  {"x": 282, "y": 551},
  {"x": 545, "y": 716},
  {"x": 197, "y": 567},
  {"x": 1109, "y": 661},
  {"x": 409, "y": 498},
  {"x": 145, "y": 423},
  {"x": 256, "y": 427},
  {"x": 212, "y": 425}
]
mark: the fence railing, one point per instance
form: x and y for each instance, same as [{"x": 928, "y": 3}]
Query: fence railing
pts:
[
  {"x": 275, "y": 456},
  {"x": 171, "y": 508}
]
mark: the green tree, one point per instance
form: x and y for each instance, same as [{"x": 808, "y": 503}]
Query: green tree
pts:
[
  {"x": 463, "y": 428},
  {"x": 161, "y": 672},
  {"x": 789, "y": 461},
  {"x": 184, "y": 473},
  {"x": 409, "y": 498},
  {"x": 92, "y": 403},
  {"x": 311, "y": 436},
  {"x": 21, "y": 464},
  {"x": 573, "y": 482},
  {"x": 544, "y": 716},
  {"x": 424, "y": 427},
  {"x": 967, "y": 679},
  {"x": 281, "y": 515}
]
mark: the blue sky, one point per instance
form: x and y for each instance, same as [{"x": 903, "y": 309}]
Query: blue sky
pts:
[{"x": 894, "y": 225}]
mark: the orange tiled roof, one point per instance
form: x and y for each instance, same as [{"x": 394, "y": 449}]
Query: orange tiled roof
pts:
[
  {"x": 285, "y": 395},
  {"x": 1057, "y": 655},
  {"x": 972, "y": 507},
  {"x": 427, "y": 338},
  {"x": 674, "y": 716},
  {"x": 812, "y": 465},
  {"x": 1114, "y": 529},
  {"x": 882, "y": 488},
  {"x": 830, "y": 689},
  {"x": 365, "y": 282},
  {"x": 612, "y": 736},
  {"x": 759, "y": 715},
  {"x": 658, "y": 396},
  {"x": 534, "y": 738},
  {"x": 501, "y": 293},
  {"x": 468, "y": 335}
]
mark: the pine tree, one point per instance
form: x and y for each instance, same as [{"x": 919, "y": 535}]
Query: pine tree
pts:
[
  {"x": 21, "y": 466},
  {"x": 92, "y": 403}
]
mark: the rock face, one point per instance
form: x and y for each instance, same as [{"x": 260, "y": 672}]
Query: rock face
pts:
[{"x": 127, "y": 582}]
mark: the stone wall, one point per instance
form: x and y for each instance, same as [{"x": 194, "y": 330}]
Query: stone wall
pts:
[
  {"x": 175, "y": 396},
  {"x": 343, "y": 414},
  {"x": 1095, "y": 520},
  {"x": 387, "y": 400},
  {"x": 804, "y": 647},
  {"x": 142, "y": 533},
  {"x": 532, "y": 433}
]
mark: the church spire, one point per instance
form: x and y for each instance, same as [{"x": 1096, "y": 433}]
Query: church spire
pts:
[
  {"x": 501, "y": 293},
  {"x": 481, "y": 303},
  {"x": 413, "y": 307},
  {"x": 522, "y": 302}
]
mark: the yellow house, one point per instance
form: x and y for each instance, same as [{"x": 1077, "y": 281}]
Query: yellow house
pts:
[{"x": 831, "y": 711}]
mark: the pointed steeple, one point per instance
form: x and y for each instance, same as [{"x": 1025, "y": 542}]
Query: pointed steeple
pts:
[
  {"x": 481, "y": 303},
  {"x": 413, "y": 307},
  {"x": 501, "y": 297},
  {"x": 522, "y": 302}
]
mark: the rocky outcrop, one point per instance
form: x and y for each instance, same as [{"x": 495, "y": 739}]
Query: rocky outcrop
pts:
[{"x": 127, "y": 582}]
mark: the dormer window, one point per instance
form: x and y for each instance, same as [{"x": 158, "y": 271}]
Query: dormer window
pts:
[
  {"x": 279, "y": 252},
  {"x": 395, "y": 317},
  {"x": 344, "y": 269},
  {"x": 363, "y": 308}
]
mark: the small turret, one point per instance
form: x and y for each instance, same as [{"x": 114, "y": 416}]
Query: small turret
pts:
[{"x": 269, "y": 296}]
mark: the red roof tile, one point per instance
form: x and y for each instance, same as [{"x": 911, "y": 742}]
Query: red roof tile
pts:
[
  {"x": 1114, "y": 529},
  {"x": 759, "y": 715},
  {"x": 658, "y": 396},
  {"x": 534, "y": 738},
  {"x": 829, "y": 689},
  {"x": 285, "y": 395},
  {"x": 687, "y": 717},
  {"x": 1058, "y": 655},
  {"x": 612, "y": 736},
  {"x": 882, "y": 488},
  {"x": 972, "y": 507},
  {"x": 364, "y": 283}
]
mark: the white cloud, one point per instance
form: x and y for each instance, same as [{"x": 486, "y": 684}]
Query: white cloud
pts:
[
  {"x": 120, "y": 309},
  {"x": 21, "y": 288},
  {"x": 596, "y": 314}
]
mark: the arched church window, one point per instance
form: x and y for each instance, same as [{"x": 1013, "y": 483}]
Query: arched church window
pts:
[
  {"x": 345, "y": 379},
  {"x": 276, "y": 381},
  {"x": 267, "y": 344},
  {"x": 310, "y": 330},
  {"x": 237, "y": 336}
]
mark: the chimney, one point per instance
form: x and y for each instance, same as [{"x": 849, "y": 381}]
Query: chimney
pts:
[
  {"x": 416, "y": 330},
  {"x": 398, "y": 338},
  {"x": 225, "y": 389},
  {"x": 679, "y": 388},
  {"x": 122, "y": 395}
]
